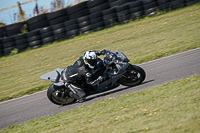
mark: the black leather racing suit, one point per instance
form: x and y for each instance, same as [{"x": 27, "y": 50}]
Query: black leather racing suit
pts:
[{"x": 79, "y": 75}]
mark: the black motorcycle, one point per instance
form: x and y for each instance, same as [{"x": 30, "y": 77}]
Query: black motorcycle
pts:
[{"x": 116, "y": 67}]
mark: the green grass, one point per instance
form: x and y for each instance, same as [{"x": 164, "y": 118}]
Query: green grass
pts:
[
  {"x": 141, "y": 41},
  {"x": 170, "y": 108}
]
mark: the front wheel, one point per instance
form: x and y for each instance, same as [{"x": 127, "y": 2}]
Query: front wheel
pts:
[
  {"x": 135, "y": 75},
  {"x": 57, "y": 95}
]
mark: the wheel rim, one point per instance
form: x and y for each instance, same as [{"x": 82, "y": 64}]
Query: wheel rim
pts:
[
  {"x": 62, "y": 101},
  {"x": 131, "y": 78}
]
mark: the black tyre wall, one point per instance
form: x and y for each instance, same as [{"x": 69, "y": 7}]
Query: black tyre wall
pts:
[
  {"x": 8, "y": 50},
  {"x": 37, "y": 19},
  {"x": 8, "y": 45},
  {"x": 188, "y": 3},
  {"x": 110, "y": 17},
  {"x": 79, "y": 14},
  {"x": 57, "y": 17},
  {"x": 177, "y": 4},
  {"x": 3, "y": 32},
  {"x": 94, "y": 3},
  {"x": 60, "y": 34},
  {"x": 58, "y": 20},
  {"x": 21, "y": 42},
  {"x": 86, "y": 29},
  {"x": 8, "y": 42},
  {"x": 99, "y": 8},
  {"x": 160, "y": 2},
  {"x": 119, "y": 2},
  {"x": 72, "y": 28},
  {"x": 77, "y": 8},
  {"x": 16, "y": 28},
  {"x": 38, "y": 25},
  {"x": 46, "y": 29},
  {"x": 150, "y": 7},
  {"x": 84, "y": 21},
  {"x": 1, "y": 48},
  {"x": 164, "y": 7},
  {"x": 123, "y": 13},
  {"x": 34, "y": 39},
  {"x": 38, "y": 22},
  {"x": 57, "y": 14}
]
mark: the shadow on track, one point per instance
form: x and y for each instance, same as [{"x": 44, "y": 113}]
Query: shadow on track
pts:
[{"x": 114, "y": 91}]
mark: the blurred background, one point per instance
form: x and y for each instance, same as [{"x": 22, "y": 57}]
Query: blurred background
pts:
[{"x": 13, "y": 11}]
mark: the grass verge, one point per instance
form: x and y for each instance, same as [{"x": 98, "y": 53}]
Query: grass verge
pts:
[
  {"x": 173, "y": 107},
  {"x": 141, "y": 41}
]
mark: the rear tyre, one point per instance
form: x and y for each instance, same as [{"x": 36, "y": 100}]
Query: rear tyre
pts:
[
  {"x": 135, "y": 75},
  {"x": 56, "y": 94}
]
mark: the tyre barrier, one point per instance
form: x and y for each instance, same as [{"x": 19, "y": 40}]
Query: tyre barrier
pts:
[
  {"x": 8, "y": 44},
  {"x": 72, "y": 28},
  {"x": 15, "y": 29},
  {"x": 59, "y": 32},
  {"x": 3, "y": 32},
  {"x": 123, "y": 13},
  {"x": 110, "y": 17},
  {"x": 84, "y": 24},
  {"x": 98, "y": 6},
  {"x": 92, "y": 15},
  {"x": 21, "y": 42},
  {"x": 57, "y": 17},
  {"x": 97, "y": 22},
  {"x": 37, "y": 22},
  {"x": 34, "y": 39},
  {"x": 164, "y": 5}
]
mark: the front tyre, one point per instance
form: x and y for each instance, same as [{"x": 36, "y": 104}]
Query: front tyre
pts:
[
  {"x": 135, "y": 75},
  {"x": 57, "y": 95}
]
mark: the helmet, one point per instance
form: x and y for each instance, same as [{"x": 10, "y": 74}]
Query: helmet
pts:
[{"x": 90, "y": 59}]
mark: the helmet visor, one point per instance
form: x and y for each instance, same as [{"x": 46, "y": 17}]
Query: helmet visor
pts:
[{"x": 92, "y": 62}]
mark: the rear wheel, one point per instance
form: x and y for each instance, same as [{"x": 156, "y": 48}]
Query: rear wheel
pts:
[
  {"x": 135, "y": 75},
  {"x": 58, "y": 95}
]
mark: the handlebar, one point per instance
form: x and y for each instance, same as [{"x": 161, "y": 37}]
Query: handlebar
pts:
[{"x": 110, "y": 56}]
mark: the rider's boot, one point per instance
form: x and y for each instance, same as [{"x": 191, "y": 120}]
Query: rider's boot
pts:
[{"x": 77, "y": 93}]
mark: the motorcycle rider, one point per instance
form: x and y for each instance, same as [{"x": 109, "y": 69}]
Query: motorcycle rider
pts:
[{"x": 84, "y": 72}]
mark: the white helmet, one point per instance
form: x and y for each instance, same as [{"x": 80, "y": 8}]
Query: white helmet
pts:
[{"x": 90, "y": 59}]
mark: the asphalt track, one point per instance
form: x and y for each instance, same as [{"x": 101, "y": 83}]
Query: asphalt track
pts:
[{"x": 158, "y": 72}]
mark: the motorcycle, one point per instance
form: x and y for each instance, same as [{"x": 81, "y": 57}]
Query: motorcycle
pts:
[{"x": 115, "y": 65}]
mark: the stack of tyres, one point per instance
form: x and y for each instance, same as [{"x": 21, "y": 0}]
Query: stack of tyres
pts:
[
  {"x": 72, "y": 28},
  {"x": 136, "y": 9},
  {"x": 3, "y": 32},
  {"x": 15, "y": 29},
  {"x": 59, "y": 32},
  {"x": 37, "y": 22},
  {"x": 1, "y": 48},
  {"x": 114, "y": 3},
  {"x": 177, "y": 4},
  {"x": 84, "y": 24},
  {"x": 47, "y": 35},
  {"x": 97, "y": 22},
  {"x": 191, "y": 2},
  {"x": 96, "y": 6},
  {"x": 150, "y": 7},
  {"x": 57, "y": 17},
  {"x": 123, "y": 13},
  {"x": 35, "y": 40},
  {"x": 164, "y": 5},
  {"x": 8, "y": 45},
  {"x": 78, "y": 11},
  {"x": 110, "y": 17},
  {"x": 21, "y": 42}
]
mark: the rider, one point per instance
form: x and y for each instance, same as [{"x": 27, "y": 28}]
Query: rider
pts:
[{"x": 84, "y": 72}]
